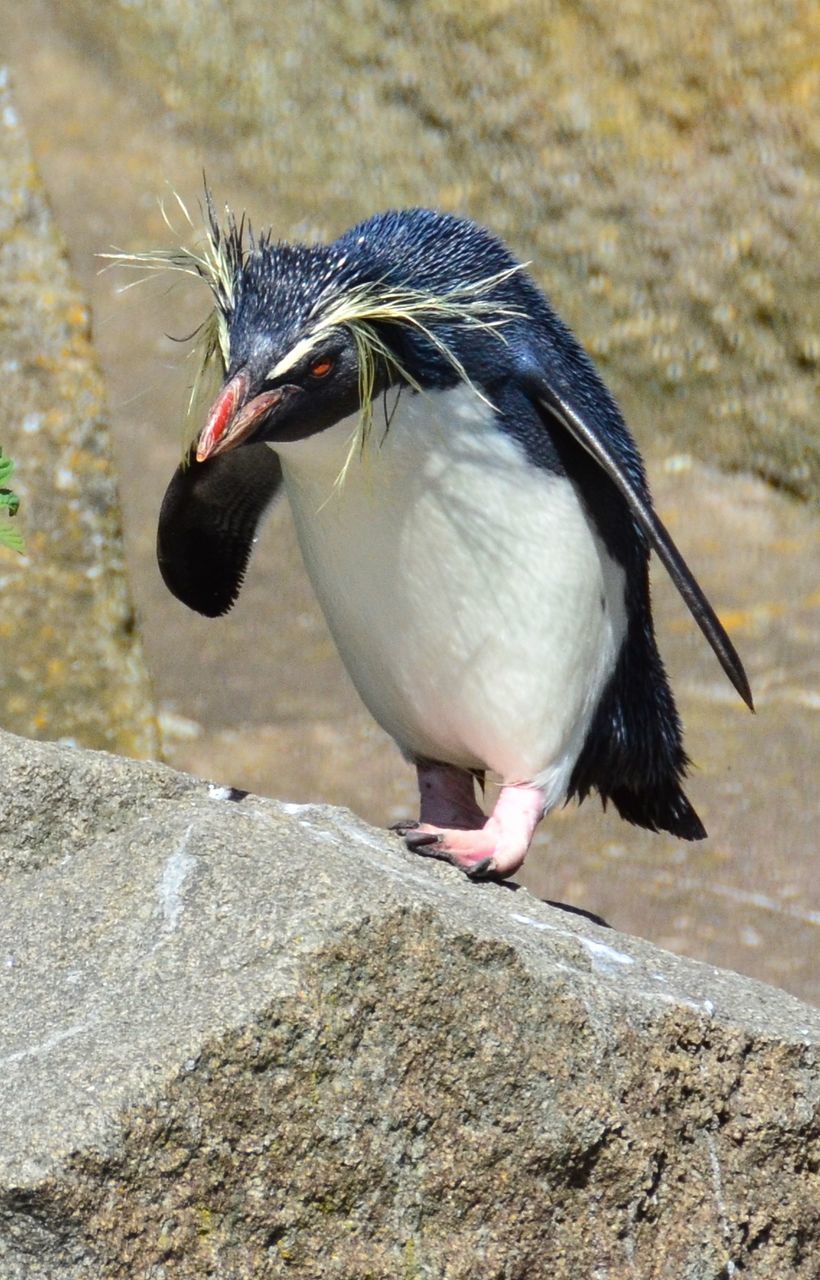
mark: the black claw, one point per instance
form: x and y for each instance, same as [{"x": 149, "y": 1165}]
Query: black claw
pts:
[
  {"x": 483, "y": 870},
  {"x": 427, "y": 844},
  {"x": 404, "y": 825},
  {"x": 423, "y": 842}
]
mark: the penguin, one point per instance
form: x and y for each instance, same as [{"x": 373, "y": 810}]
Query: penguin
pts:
[{"x": 472, "y": 511}]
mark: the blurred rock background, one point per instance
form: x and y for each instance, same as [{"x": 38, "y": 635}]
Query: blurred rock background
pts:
[
  {"x": 658, "y": 166},
  {"x": 72, "y": 664}
]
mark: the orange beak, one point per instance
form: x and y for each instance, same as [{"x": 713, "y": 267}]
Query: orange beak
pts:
[{"x": 233, "y": 417}]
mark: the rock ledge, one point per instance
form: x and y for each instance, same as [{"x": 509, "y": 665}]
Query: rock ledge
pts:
[{"x": 242, "y": 1038}]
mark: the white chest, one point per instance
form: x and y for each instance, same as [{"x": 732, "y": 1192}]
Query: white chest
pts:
[{"x": 471, "y": 602}]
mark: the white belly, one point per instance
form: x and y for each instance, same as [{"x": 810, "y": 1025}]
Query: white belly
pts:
[{"x": 476, "y": 611}]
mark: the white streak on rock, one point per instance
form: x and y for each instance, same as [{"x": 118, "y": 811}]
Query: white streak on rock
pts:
[
  {"x": 605, "y": 956},
  {"x": 536, "y": 924},
  {"x": 175, "y": 872},
  {"x": 45, "y": 1046},
  {"x": 720, "y": 1204}
]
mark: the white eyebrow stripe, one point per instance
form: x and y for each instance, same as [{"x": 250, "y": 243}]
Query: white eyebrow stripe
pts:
[{"x": 303, "y": 346}]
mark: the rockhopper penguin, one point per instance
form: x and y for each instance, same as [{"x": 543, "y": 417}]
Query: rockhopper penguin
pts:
[{"x": 472, "y": 511}]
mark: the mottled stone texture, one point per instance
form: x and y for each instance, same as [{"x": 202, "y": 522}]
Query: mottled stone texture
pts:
[
  {"x": 242, "y": 1039},
  {"x": 70, "y": 663},
  {"x": 657, "y": 162}
]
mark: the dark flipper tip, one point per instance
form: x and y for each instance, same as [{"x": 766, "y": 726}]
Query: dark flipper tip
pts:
[{"x": 208, "y": 522}]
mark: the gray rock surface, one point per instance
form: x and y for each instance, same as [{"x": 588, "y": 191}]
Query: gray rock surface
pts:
[
  {"x": 241, "y": 1038},
  {"x": 71, "y": 664}
]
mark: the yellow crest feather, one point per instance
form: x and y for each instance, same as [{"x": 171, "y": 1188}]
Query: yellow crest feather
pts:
[{"x": 220, "y": 253}]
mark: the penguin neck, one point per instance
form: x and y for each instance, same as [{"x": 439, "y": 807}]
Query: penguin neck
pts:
[{"x": 409, "y": 429}]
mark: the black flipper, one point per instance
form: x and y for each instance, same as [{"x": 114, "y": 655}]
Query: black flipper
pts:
[
  {"x": 208, "y": 522},
  {"x": 558, "y": 403}
]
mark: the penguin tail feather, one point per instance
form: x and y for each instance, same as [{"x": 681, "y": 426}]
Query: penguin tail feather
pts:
[{"x": 664, "y": 809}]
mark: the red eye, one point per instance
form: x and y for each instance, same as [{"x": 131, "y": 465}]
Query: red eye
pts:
[{"x": 321, "y": 368}]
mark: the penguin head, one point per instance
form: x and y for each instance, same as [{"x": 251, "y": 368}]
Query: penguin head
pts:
[{"x": 309, "y": 334}]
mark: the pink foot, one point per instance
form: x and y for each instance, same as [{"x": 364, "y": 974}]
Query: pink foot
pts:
[{"x": 452, "y": 826}]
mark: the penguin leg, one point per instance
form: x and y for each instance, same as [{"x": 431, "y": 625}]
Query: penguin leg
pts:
[
  {"x": 453, "y": 828},
  {"x": 447, "y": 796}
]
